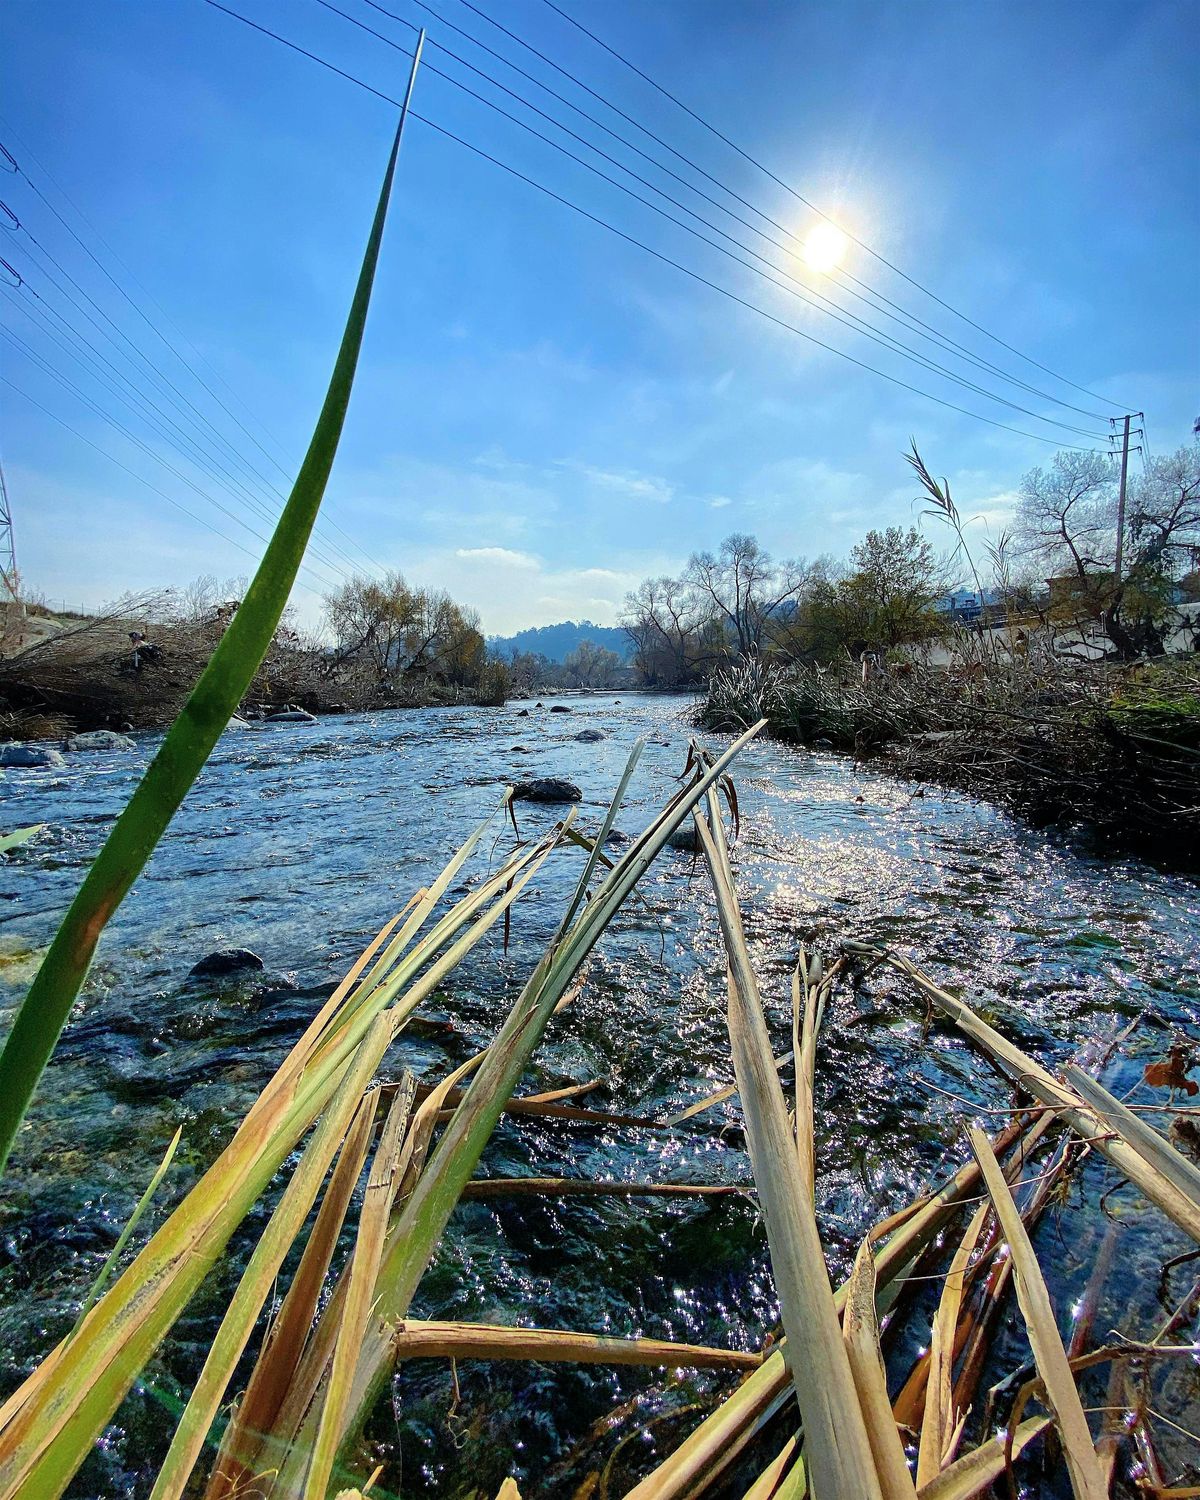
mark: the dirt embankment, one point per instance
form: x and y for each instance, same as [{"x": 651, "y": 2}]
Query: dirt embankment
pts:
[{"x": 123, "y": 671}]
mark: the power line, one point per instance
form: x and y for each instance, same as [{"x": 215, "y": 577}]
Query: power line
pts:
[
  {"x": 62, "y": 192},
  {"x": 315, "y": 553},
  {"x": 326, "y": 519},
  {"x": 54, "y": 417},
  {"x": 193, "y": 415},
  {"x": 45, "y": 365},
  {"x": 161, "y": 383},
  {"x": 147, "y": 320},
  {"x": 800, "y": 198},
  {"x": 873, "y": 298},
  {"x": 162, "y": 424},
  {"x": 850, "y": 320},
  {"x": 630, "y": 239}
]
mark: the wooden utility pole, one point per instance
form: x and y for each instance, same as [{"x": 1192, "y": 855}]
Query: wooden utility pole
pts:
[{"x": 1121, "y": 504}]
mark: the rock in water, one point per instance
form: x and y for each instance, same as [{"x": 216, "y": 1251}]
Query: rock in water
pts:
[
  {"x": 292, "y": 716},
  {"x": 560, "y": 708},
  {"x": 685, "y": 839},
  {"x": 547, "y": 789},
  {"x": 237, "y": 723},
  {"x": 226, "y": 961},
  {"x": 522, "y": 713},
  {"x": 589, "y": 736},
  {"x": 100, "y": 739},
  {"x": 16, "y": 754}
]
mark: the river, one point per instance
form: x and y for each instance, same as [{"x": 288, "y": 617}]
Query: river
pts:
[{"x": 299, "y": 841}]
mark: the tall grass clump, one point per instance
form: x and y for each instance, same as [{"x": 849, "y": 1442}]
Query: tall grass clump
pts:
[{"x": 336, "y": 1337}]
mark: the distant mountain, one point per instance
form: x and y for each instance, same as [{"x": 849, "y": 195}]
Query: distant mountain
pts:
[{"x": 555, "y": 641}]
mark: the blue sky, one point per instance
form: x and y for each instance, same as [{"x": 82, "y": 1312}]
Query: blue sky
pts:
[{"x": 545, "y": 413}]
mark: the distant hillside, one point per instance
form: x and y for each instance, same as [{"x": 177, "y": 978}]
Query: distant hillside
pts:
[{"x": 555, "y": 641}]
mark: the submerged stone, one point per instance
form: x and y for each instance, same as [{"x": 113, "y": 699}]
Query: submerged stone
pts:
[
  {"x": 100, "y": 739},
  {"x": 41, "y": 756},
  {"x": 547, "y": 789},
  {"x": 226, "y": 961}
]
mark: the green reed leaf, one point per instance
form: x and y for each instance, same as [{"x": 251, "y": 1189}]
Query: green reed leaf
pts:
[{"x": 191, "y": 738}]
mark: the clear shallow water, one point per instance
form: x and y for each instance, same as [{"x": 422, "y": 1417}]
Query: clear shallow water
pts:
[{"x": 300, "y": 841}]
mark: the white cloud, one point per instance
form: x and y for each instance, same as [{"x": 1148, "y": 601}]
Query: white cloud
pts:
[
  {"x": 506, "y": 556},
  {"x": 994, "y": 512},
  {"x": 601, "y": 574},
  {"x": 631, "y": 485},
  {"x": 720, "y": 502},
  {"x": 512, "y": 590}
]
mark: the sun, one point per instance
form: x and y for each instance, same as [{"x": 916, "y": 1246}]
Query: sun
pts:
[{"x": 825, "y": 247}]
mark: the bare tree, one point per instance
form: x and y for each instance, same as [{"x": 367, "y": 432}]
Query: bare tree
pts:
[
  {"x": 670, "y": 630},
  {"x": 372, "y": 620},
  {"x": 1067, "y": 520},
  {"x": 396, "y": 631},
  {"x": 744, "y": 587},
  {"x": 1066, "y": 517},
  {"x": 591, "y": 666},
  {"x": 206, "y": 599},
  {"x": 1164, "y": 519}
]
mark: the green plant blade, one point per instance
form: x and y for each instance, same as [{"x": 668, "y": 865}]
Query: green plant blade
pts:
[
  {"x": 18, "y": 836},
  {"x": 135, "y": 1219},
  {"x": 191, "y": 738}
]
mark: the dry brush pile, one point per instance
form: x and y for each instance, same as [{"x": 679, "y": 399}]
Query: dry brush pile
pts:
[{"x": 1116, "y": 747}]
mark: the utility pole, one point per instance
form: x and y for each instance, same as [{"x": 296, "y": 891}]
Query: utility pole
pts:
[
  {"x": 1121, "y": 498},
  {"x": 8, "y": 546}
]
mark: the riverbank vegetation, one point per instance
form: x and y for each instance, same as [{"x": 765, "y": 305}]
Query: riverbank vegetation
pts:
[
  {"x": 1052, "y": 583},
  {"x": 1059, "y": 679},
  {"x": 740, "y": 604}
]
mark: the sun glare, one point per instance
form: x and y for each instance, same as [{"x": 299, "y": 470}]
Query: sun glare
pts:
[{"x": 825, "y": 247}]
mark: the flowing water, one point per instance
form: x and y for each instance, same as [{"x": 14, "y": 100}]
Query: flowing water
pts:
[{"x": 299, "y": 841}]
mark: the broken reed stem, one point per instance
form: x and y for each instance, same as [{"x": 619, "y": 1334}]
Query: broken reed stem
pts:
[
  {"x": 1042, "y": 1084},
  {"x": 578, "y": 1187},
  {"x": 419, "y": 1339},
  {"x": 723, "y": 1433}
]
